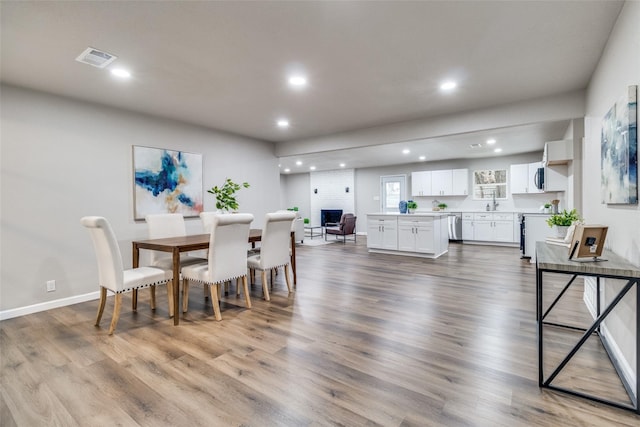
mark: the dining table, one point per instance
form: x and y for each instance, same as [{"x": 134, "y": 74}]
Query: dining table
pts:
[{"x": 188, "y": 243}]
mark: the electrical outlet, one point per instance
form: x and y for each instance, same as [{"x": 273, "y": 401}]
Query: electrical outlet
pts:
[{"x": 51, "y": 285}]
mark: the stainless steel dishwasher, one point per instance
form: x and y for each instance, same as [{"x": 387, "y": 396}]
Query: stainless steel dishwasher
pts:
[{"x": 455, "y": 226}]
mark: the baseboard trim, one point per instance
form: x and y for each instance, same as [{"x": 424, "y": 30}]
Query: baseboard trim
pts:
[{"x": 44, "y": 306}]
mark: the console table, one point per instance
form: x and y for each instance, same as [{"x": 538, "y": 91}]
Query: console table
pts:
[{"x": 554, "y": 259}]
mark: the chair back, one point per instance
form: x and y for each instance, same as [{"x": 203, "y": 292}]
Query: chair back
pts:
[
  {"x": 164, "y": 225},
  {"x": 228, "y": 246},
  {"x": 110, "y": 268},
  {"x": 349, "y": 224},
  {"x": 276, "y": 239},
  {"x": 207, "y": 220}
]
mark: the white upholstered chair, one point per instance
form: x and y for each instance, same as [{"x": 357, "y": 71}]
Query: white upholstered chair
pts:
[
  {"x": 207, "y": 220},
  {"x": 168, "y": 225},
  {"x": 227, "y": 259},
  {"x": 274, "y": 248},
  {"x": 111, "y": 273}
]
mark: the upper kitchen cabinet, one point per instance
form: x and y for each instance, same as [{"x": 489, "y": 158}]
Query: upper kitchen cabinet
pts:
[
  {"x": 557, "y": 152},
  {"x": 440, "y": 183},
  {"x": 421, "y": 183}
]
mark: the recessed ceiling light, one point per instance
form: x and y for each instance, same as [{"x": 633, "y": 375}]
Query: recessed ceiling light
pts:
[
  {"x": 287, "y": 170},
  {"x": 312, "y": 168},
  {"x": 448, "y": 85},
  {"x": 121, "y": 72},
  {"x": 297, "y": 81},
  {"x": 422, "y": 157},
  {"x": 497, "y": 150},
  {"x": 299, "y": 163},
  {"x": 342, "y": 165},
  {"x": 406, "y": 151},
  {"x": 491, "y": 141},
  {"x": 283, "y": 123}
]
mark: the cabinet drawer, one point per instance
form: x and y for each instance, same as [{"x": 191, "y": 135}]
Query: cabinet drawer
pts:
[
  {"x": 483, "y": 216},
  {"x": 502, "y": 216},
  {"x": 467, "y": 215}
]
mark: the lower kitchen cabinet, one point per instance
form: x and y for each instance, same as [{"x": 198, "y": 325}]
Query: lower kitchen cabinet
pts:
[
  {"x": 489, "y": 227},
  {"x": 416, "y": 235},
  {"x": 424, "y": 235},
  {"x": 382, "y": 232}
]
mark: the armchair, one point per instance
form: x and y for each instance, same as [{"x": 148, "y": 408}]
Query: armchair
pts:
[{"x": 346, "y": 227}]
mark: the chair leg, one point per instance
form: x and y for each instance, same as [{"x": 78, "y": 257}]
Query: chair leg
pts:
[
  {"x": 153, "y": 297},
  {"x": 185, "y": 295},
  {"x": 116, "y": 313},
  {"x": 247, "y": 297},
  {"x": 286, "y": 276},
  {"x": 134, "y": 300},
  {"x": 272, "y": 270},
  {"x": 215, "y": 302},
  {"x": 265, "y": 286},
  {"x": 238, "y": 285},
  {"x": 170, "y": 297},
  {"x": 103, "y": 300}
]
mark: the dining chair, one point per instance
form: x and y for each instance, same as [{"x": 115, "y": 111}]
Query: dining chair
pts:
[
  {"x": 168, "y": 225},
  {"x": 111, "y": 273},
  {"x": 274, "y": 248},
  {"x": 207, "y": 220},
  {"x": 227, "y": 259}
]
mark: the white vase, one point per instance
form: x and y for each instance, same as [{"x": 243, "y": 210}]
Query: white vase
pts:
[{"x": 561, "y": 231}]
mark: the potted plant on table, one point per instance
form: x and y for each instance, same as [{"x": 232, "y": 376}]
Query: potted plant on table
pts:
[
  {"x": 561, "y": 221},
  {"x": 411, "y": 206},
  {"x": 442, "y": 206},
  {"x": 226, "y": 195}
]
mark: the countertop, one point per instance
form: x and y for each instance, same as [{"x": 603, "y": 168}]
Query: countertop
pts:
[{"x": 426, "y": 213}]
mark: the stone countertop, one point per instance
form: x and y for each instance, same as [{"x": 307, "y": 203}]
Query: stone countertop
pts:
[{"x": 426, "y": 213}]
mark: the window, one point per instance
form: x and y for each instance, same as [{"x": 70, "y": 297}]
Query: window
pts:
[
  {"x": 488, "y": 184},
  {"x": 392, "y": 191}
]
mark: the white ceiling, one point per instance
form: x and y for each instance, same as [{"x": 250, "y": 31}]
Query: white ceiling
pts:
[{"x": 224, "y": 64}]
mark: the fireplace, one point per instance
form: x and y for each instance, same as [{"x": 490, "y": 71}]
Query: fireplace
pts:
[{"x": 330, "y": 215}]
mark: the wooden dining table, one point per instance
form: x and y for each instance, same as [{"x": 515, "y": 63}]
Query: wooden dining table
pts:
[{"x": 195, "y": 242}]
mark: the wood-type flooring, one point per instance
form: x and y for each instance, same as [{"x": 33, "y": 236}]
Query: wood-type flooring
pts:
[{"x": 365, "y": 340}]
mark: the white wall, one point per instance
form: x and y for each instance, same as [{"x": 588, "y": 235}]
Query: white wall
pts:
[
  {"x": 328, "y": 191},
  {"x": 63, "y": 159},
  {"x": 297, "y": 193},
  {"x": 618, "y": 68}
]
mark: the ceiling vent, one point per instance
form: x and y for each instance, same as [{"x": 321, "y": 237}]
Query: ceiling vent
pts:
[
  {"x": 96, "y": 58},
  {"x": 474, "y": 146}
]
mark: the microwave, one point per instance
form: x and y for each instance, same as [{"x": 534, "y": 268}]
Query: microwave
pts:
[{"x": 538, "y": 179}]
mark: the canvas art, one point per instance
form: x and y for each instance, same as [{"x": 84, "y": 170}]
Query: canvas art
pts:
[
  {"x": 166, "y": 181},
  {"x": 619, "y": 151}
]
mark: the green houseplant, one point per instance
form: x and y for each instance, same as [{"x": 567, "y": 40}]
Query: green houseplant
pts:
[
  {"x": 564, "y": 218},
  {"x": 226, "y": 194},
  {"x": 411, "y": 206},
  {"x": 442, "y": 206}
]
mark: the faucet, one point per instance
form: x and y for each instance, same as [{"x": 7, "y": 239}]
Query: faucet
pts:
[{"x": 495, "y": 204}]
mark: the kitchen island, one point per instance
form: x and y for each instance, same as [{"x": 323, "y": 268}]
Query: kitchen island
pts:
[{"x": 422, "y": 234}]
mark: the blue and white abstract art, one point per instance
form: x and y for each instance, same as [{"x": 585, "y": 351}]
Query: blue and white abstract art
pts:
[
  {"x": 619, "y": 151},
  {"x": 166, "y": 181}
]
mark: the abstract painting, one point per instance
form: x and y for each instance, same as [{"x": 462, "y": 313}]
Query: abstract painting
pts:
[
  {"x": 619, "y": 151},
  {"x": 166, "y": 181}
]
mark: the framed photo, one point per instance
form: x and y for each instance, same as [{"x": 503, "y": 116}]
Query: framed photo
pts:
[
  {"x": 587, "y": 242},
  {"x": 166, "y": 181}
]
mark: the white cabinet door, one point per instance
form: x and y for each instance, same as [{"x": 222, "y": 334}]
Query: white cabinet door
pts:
[
  {"x": 374, "y": 234},
  {"x": 556, "y": 178},
  {"x": 421, "y": 183},
  {"x": 441, "y": 183},
  {"x": 503, "y": 231},
  {"x": 390, "y": 234},
  {"x": 406, "y": 235},
  {"x": 467, "y": 229},
  {"x": 483, "y": 230},
  {"x": 424, "y": 237},
  {"x": 460, "y": 178},
  {"x": 519, "y": 179}
]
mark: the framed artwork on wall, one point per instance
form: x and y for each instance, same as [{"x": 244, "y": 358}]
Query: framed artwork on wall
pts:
[
  {"x": 166, "y": 181},
  {"x": 619, "y": 151}
]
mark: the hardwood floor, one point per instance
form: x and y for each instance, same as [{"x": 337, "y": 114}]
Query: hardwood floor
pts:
[{"x": 366, "y": 339}]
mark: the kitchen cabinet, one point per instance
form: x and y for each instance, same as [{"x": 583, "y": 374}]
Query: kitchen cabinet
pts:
[
  {"x": 448, "y": 182},
  {"x": 556, "y": 178},
  {"x": 489, "y": 227},
  {"x": 416, "y": 235},
  {"x": 523, "y": 178},
  {"x": 421, "y": 183},
  {"x": 382, "y": 232},
  {"x": 422, "y": 235},
  {"x": 460, "y": 182},
  {"x": 441, "y": 182},
  {"x": 557, "y": 152}
]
